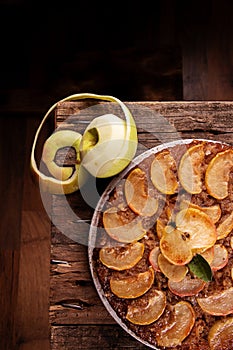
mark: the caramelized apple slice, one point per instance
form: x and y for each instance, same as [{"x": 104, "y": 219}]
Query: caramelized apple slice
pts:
[
  {"x": 122, "y": 258},
  {"x": 194, "y": 232},
  {"x": 190, "y": 169},
  {"x": 199, "y": 229},
  {"x": 218, "y": 305},
  {"x": 136, "y": 194},
  {"x": 132, "y": 286},
  {"x": 225, "y": 227},
  {"x": 181, "y": 324},
  {"x": 218, "y": 174},
  {"x": 118, "y": 229},
  {"x": 187, "y": 287},
  {"x": 147, "y": 309},
  {"x": 221, "y": 334},
  {"x": 175, "y": 248},
  {"x": 208, "y": 255},
  {"x": 159, "y": 228},
  {"x": 163, "y": 173},
  {"x": 153, "y": 258},
  {"x": 214, "y": 211},
  {"x": 172, "y": 272},
  {"x": 231, "y": 242},
  {"x": 220, "y": 257}
]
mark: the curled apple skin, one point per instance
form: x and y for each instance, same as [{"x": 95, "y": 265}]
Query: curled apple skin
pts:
[
  {"x": 65, "y": 180},
  {"x": 58, "y": 140},
  {"x": 55, "y": 186}
]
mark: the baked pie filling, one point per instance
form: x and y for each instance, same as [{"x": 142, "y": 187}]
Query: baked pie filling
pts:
[{"x": 164, "y": 254}]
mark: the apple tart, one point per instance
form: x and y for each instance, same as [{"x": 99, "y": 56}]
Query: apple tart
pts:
[{"x": 161, "y": 245}]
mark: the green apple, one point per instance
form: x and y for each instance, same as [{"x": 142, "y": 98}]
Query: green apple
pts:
[
  {"x": 107, "y": 146},
  {"x": 64, "y": 184}
]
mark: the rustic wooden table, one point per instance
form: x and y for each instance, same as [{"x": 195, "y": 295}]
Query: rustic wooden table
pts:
[{"x": 78, "y": 318}]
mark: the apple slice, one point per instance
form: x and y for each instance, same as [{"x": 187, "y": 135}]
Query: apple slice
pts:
[
  {"x": 225, "y": 227},
  {"x": 160, "y": 227},
  {"x": 194, "y": 232},
  {"x": 199, "y": 229},
  {"x": 172, "y": 272},
  {"x": 175, "y": 248},
  {"x": 163, "y": 173},
  {"x": 221, "y": 334},
  {"x": 153, "y": 258},
  {"x": 220, "y": 257},
  {"x": 218, "y": 174},
  {"x": 231, "y": 242},
  {"x": 187, "y": 287},
  {"x": 122, "y": 258},
  {"x": 179, "y": 327},
  {"x": 208, "y": 255},
  {"x": 190, "y": 169},
  {"x": 214, "y": 211},
  {"x": 131, "y": 287},
  {"x": 121, "y": 230},
  {"x": 136, "y": 194},
  {"x": 218, "y": 305},
  {"x": 147, "y": 309}
]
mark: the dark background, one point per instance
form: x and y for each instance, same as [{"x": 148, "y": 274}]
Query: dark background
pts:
[
  {"x": 52, "y": 50},
  {"x": 130, "y": 49},
  {"x": 160, "y": 50}
]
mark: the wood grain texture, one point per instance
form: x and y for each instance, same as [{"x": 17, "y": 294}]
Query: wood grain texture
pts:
[
  {"x": 205, "y": 35},
  {"x": 24, "y": 242},
  {"x": 78, "y": 318},
  {"x": 11, "y": 206},
  {"x": 31, "y": 312},
  {"x": 105, "y": 337}
]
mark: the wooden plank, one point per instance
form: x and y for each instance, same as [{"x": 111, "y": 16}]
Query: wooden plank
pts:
[
  {"x": 24, "y": 242},
  {"x": 92, "y": 337},
  {"x": 31, "y": 312},
  {"x": 74, "y": 304},
  {"x": 11, "y": 181},
  {"x": 160, "y": 119},
  {"x": 78, "y": 303},
  {"x": 34, "y": 261},
  {"x": 206, "y": 39}
]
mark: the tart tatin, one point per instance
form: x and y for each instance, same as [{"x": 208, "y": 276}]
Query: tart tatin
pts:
[{"x": 173, "y": 207}]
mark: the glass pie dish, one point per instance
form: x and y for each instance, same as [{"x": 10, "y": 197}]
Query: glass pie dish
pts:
[{"x": 160, "y": 246}]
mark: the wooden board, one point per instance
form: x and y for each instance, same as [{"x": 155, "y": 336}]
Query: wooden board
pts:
[
  {"x": 207, "y": 48},
  {"x": 77, "y": 317},
  {"x": 24, "y": 241}
]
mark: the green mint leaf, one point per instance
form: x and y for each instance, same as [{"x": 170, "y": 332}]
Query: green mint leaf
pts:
[{"x": 201, "y": 268}]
